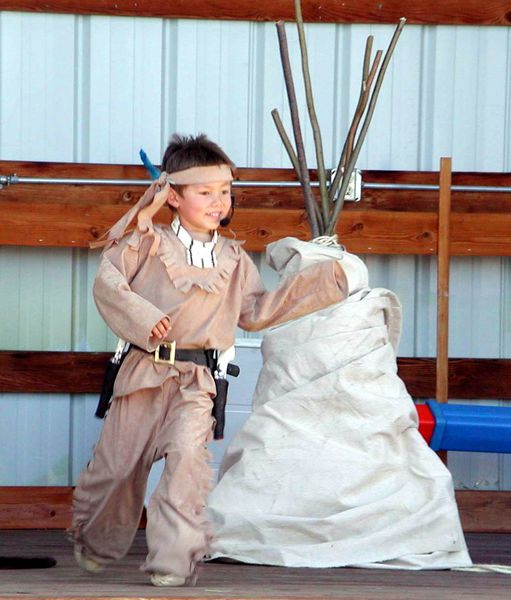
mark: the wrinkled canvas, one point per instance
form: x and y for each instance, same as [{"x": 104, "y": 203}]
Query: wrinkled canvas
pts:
[{"x": 330, "y": 469}]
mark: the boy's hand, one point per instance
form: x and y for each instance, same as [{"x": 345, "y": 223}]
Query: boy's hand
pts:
[{"x": 160, "y": 330}]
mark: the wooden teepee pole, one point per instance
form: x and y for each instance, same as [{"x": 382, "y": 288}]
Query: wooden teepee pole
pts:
[
  {"x": 303, "y": 174},
  {"x": 444, "y": 211}
]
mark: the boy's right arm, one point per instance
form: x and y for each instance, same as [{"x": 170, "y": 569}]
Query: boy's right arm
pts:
[{"x": 129, "y": 315}]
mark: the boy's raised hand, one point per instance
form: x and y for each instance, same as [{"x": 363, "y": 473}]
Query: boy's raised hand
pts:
[{"x": 160, "y": 330}]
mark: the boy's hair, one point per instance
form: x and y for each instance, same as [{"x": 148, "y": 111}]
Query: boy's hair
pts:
[{"x": 185, "y": 152}]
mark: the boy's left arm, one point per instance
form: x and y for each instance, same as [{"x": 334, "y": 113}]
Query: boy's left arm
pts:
[{"x": 307, "y": 291}]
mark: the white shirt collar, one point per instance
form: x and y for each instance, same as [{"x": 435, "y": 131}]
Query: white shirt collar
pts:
[{"x": 198, "y": 254}]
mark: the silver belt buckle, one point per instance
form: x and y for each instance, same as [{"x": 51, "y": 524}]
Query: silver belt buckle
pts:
[{"x": 165, "y": 353}]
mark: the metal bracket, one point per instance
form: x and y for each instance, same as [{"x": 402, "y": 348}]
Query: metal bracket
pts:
[
  {"x": 7, "y": 180},
  {"x": 354, "y": 189}
]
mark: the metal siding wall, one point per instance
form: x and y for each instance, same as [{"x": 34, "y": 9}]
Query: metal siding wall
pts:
[
  {"x": 37, "y": 81},
  {"x": 35, "y": 297},
  {"x": 99, "y": 88}
]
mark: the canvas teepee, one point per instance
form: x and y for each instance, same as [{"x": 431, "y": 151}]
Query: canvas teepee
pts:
[{"x": 330, "y": 469}]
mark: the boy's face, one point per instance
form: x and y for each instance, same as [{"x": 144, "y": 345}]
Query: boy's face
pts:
[{"x": 202, "y": 206}]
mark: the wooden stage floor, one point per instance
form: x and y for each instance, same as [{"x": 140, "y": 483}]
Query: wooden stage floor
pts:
[{"x": 230, "y": 581}]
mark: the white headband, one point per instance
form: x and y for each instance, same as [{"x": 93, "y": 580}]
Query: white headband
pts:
[{"x": 208, "y": 174}]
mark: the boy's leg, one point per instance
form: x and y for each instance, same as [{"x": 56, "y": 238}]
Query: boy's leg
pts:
[
  {"x": 109, "y": 497},
  {"x": 177, "y": 531}
]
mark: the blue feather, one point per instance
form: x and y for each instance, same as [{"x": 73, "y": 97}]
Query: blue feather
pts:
[{"x": 153, "y": 171}]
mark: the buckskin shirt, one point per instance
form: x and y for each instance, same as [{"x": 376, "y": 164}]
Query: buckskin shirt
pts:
[{"x": 134, "y": 290}]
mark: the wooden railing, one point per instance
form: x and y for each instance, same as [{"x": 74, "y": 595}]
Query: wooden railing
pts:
[
  {"x": 384, "y": 222},
  {"x": 82, "y": 373},
  {"x": 429, "y": 12}
]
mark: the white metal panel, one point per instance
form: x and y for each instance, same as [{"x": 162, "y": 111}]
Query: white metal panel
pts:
[
  {"x": 37, "y": 79},
  {"x": 35, "y": 298},
  {"x": 125, "y": 58},
  {"x": 35, "y": 440}
]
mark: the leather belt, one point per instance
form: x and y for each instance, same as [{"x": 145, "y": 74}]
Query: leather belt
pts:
[
  {"x": 201, "y": 356},
  {"x": 167, "y": 353}
]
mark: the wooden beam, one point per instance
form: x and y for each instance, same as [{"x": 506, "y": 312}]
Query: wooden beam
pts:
[
  {"x": 40, "y": 507},
  {"x": 398, "y": 200},
  {"x": 469, "y": 378},
  {"x": 448, "y": 12},
  {"x": 384, "y": 222},
  {"x": 52, "y": 372},
  {"x": 361, "y": 231},
  {"x": 484, "y": 512},
  {"x": 82, "y": 372},
  {"x": 443, "y": 245},
  {"x": 443, "y": 262},
  {"x": 35, "y": 507}
]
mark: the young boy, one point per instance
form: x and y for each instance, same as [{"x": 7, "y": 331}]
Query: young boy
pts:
[{"x": 184, "y": 284}]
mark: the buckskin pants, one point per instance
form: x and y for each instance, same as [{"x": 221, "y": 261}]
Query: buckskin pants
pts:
[{"x": 173, "y": 422}]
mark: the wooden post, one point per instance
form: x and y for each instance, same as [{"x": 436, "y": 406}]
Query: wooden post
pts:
[
  {"x": 442, "y": 352},
  {"x": 444, "y": 211}
]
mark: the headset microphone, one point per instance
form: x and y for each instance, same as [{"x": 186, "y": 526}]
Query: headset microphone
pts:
[{"x": 226, "y": 220}]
